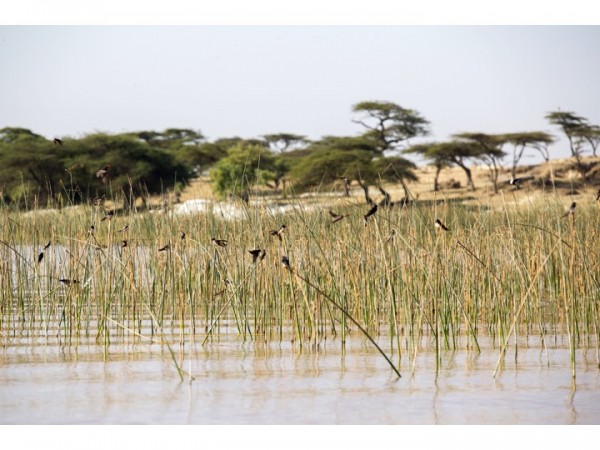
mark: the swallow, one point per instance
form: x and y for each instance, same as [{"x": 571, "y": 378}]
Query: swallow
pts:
[
  {"x": 40, "y": 257},
  {"x": 108, "y": 215},
  {"x": 124, "y": 243},
  {"x": 57, "y": 141},
  {"x": 92, "y": 230},
  {"x": 219, "y": 242},
  {"x": 67, "y": 281},
  {"x": 598, "y": 195},
  {"x": 517, "y": 181},
  {"x": 335, "y": 217},
  {"x": 182, "y": 235},
  {"x": 372, "y": 211},
  {"x": 166, "y": 247},
  {"x": 256, "y": 253},
  {"x": 124, "y": 229},
  {"x": 279, "y": 232},
  {"x": 285, "y": 263},
  {"x": 571, "y": 210},
  {"x": 439, "y": 225},
  {"x": 97, "y": 201},
  {"x": 103, "y": 174},
  {"x": 392, "y": 234}
]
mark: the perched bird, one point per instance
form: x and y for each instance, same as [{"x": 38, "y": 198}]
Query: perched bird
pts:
[
  {"x": 57, "y": 141},
  {"x": 391, "y": 236},
  {"x": 40, "y": 257},
  {"x": 103, "y": 174},
  {"x": 571, "y": 210},
  {"x": 285, "y": 263},
  {"x": 67, "y": 281},
  {"x": 166, "y": 247},
  {"x": 182, "y": 235},
  {"x": 124, "y": 243},
  {"x": 278, "y": 233},
  {"x": 372, "y": 211},
  {"x": 108, "y": 215},
  {"x": 440, "y": 226},
  {"x": 598, "y": 195},
  {"x": 517, "y": 181},
  {"x": 335, "y": 217},
  {"x": 125, "y": 228},
  {"x": 219, "y": 242},
  {"x": 92, "y": 230}
]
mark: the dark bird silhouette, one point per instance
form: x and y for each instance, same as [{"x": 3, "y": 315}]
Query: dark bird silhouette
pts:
[
  {"x": 571, "y": 210},
  {"x": 47, "y": 246},
  {"x": 166, "y": 247},
  {"x": 57, "y": 141},
  {"x": 279, "y": 232},
  {"x": 182, "y": 235},
  {"x": 598, "y": 195},
  {"x": 285, "y": 263},
  {"x": 255, "y": 254},
  {"x": 40, "y": 257},
  {"x": 124, "y": 243},
  {"x": 439, "y": 225},
  {"x": 372, "y": 211},
  {"x": 219, "y": 242},
  {"x": 108, "y": 215},
  {"x": 68, "y": 282},
  {"x": 125, "y": 228},
  {"x": 92, "y": 230},
  {"x": 516, "y": 182},
  {"x": 103, "y": 174},
  {"x": 335, "y": 217}
]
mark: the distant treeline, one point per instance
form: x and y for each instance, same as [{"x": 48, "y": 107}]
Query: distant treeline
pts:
[{"x": 38, "y": 172}]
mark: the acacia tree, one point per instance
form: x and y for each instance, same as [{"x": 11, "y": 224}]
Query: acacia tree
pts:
[
  {"x": 437, "y": 159},
  {"x": 282, "y": 142},
  {"x": 572, "y": 126},
  {"x": 389, "y": 124},
  {"x": 537, "y": 140},
  {"x": 589, "y": 134},
  {"x": 490, "y": 153},
  {"x": 455, "y": 152}
]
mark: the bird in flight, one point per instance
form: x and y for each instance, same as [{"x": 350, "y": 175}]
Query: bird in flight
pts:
[
  {"x": 256, "y": 253},
  {"x": 439, "y": 225},
  {"x": 278, "y": 233},
  {"x": 571, "y": 210},
  {"x": 219, "y": 242},
  {"x": 516, "y": 182},
  {"x": 372, "y": 211},
  {"x": 103, "y": 174},
  {"x": 335, "y": 217}
]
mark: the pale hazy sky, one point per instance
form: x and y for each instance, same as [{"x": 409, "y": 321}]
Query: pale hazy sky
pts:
[{"x": 252, "y": 80}]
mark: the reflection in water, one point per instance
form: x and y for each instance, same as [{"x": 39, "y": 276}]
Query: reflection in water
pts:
[{"x": 277, "y": 383}]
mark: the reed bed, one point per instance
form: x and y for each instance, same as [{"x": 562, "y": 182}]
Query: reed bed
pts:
[{"x": 502, "y": 273}]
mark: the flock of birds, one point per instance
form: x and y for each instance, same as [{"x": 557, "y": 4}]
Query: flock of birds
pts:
[{"x": 259, "y": 254}]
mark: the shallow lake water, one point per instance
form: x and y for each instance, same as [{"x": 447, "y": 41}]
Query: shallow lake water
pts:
[{"x": 278, "y": 383}]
